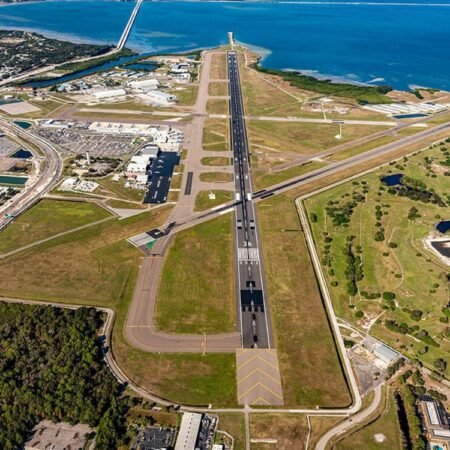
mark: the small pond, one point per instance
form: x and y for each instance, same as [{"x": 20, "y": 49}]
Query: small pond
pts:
[
  {"x": 392, "y": 180},
  {"x": 443, "y": 226}
]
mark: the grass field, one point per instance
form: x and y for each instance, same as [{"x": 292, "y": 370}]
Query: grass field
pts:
[
  {"x": 197, "y": 294},
  {"x": 234, "y": 425},
  {"x": 273, "y": 143},
  {"x": 263, "y": 179},
  {"x": 215, "y": 135},
  {"x": 219, "y": 66},
  {"x": 310, "y": 371},
  {"x": 270, "y": 95},
  {"x": 47, "y": 218},
  {"x": 383, "y": 424},
  {"x": 405, "y": 268},
  {"x": 217, "y": 106},
  {"x": 118, "y": 189},
  {"x": 186, "y": 95},
  {"x": 216, "y": 161},
  {"x": 289, "y": 430},
  {"x": 97, "y": 266},
  {"x": 90, "y": 266},
  {"x": 218, "y": 88},
  {"x": 216, "y": 177},
  {"x": 203, "y": 202}
]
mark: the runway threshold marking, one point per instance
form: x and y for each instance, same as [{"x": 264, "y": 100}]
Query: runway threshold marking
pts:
[
  {"x": 260, "y": 398},
  {"x": 258, "y": 377}
]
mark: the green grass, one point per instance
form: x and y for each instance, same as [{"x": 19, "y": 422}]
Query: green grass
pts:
[
  {"x": 187, "y": 95},
  {"x": 384, "y": 422},
  {"x": 47, "y": 218},
  {"x": 196, "y": 294},
  {"x": 90, "y": 266},
  {"x": 263, "y": 180},
  {"x": 216, "y": 177},
  {"x": 311, "y": 374},
  {"x": 216, "y": 161},
  {"x": 399, "y": 270},
  {"x": 203, "y": 202},
  {"x": 362, "y": 94}
]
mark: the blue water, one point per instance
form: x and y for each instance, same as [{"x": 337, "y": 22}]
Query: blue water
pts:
[
  {"x": 399, "y": 45},
  {"x": 443, "y": 226},
  {"x": 409, "y": 116},
  {"x": 392, "y": 180}
]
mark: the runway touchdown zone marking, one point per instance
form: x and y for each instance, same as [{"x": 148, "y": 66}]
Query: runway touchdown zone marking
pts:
[{"x": 258, "y": 377}]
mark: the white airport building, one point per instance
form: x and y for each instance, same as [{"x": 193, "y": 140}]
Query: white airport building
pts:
[
  {"x": 159, "y": 98},
  {"x": 144, "y": 85},
  {"x": 110, "y": 93},
  {"x": 393, "y": 109},
  {"x": 189, "y": 429}
]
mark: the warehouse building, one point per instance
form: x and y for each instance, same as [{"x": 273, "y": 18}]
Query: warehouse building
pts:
[
  {"x": 436, "y": 422},
  {"x": 111, "y": 93},
  {"x": 189, "y": 429}
]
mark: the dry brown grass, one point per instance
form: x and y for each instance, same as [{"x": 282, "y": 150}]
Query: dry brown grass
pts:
[
  {"x": 310, "y": 370},
  {"x": 289, "y": 430},
  {"x": 219, "y": 66},
  {"x": 217, "y": 106},
  {"x": 218, "y": 88}
]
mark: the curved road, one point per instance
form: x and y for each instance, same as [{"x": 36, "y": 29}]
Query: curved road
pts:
[
  {"x": 350, "y": 422},
  {"x": 51, "y": 171},
  {"x": 140, "y": 327}
]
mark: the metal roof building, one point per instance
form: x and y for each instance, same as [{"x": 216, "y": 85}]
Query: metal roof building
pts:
[{"x": 187, "y": 436}]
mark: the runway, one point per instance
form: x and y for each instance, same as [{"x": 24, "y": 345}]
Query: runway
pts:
[{"x": 254, "y": 315}]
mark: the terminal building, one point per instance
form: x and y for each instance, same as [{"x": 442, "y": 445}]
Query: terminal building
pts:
[{"x": 436, "y": 423}]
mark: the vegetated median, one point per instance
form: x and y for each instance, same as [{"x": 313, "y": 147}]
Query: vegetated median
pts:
[
  {"x": 361, "y": 93},
  {"x": 197, "y": 293}
]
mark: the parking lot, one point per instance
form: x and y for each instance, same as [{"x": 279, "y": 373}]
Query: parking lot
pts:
[{"x": 79, "y": 140}]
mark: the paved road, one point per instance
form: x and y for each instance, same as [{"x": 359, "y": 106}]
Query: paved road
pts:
[
  {"x": 350, "y": 422},
  {"x": 254, "y": 320},
  {"x": 51, "y": 170}
]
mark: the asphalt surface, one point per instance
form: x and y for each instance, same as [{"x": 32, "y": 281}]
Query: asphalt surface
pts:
[
  {"x": 254, "y": 321},
  {"x": 51, "y": 170},
  {"x": 160, "y": 176}
]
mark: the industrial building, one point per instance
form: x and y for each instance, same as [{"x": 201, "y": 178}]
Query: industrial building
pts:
[
  {"x": 110, "y": 93},
  {"x": 386, "y": 354},
  {"x": 189, "y": 429},
  {"x": 436, "y": 422},
  {"x": 159, "y": 98},
  {"x": 144, "y": 85}
]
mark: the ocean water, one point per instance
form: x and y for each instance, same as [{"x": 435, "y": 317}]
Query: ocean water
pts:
[{"x": 401, "y": 43}]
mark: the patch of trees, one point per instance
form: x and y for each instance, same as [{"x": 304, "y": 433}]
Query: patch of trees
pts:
[
  {"x": 416, "y": 190},
  {"x": 413, "y": 214},
  {"x": 26, "y": 51},
  {"x": 354, "y": 270},
  {"x": 413, "y": 417},
  {"x": 342, "y": 213},
  {"x": 51, "y": 367},
  {"x": 363, "y": 94}
]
